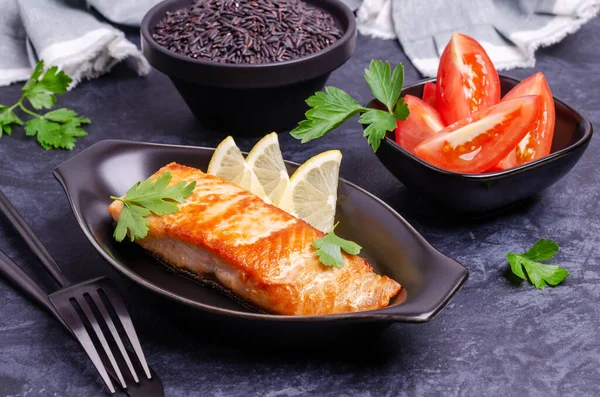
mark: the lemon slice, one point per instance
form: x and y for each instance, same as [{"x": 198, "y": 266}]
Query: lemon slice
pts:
[
  {"x": 312, "y": 192},
  {"x": 228, "y": 162},
  {"x": 266, "y": 161}
]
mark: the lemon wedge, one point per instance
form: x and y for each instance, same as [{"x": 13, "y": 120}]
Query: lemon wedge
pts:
[
  {"x": 228, "y": 162},
  {"x": 309, "y": 194},
  {"x": 312, "y": 191},
  {"x": 266, "y": 161}
]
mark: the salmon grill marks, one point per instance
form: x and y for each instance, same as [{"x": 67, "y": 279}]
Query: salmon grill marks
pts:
[{"x": 259, "y": 252}]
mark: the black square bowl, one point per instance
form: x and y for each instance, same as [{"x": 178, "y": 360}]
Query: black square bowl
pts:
[{"x": 479, "y": 194}]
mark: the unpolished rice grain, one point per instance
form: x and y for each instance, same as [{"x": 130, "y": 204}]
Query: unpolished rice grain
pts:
[{"x": 238, "y": 31}]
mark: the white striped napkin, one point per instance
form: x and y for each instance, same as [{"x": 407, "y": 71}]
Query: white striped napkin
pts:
[
  {"x": 67, "y": 34},
  {"x": 509, "y": 30}
]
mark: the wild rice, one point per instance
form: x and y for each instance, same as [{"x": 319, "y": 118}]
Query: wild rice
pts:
[{"x": 247, "y": 31}]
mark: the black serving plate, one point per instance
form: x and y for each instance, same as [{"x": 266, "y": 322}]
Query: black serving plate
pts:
[
  {"x": 480, "y": 194},
  {"x": 429, "y": 279}
]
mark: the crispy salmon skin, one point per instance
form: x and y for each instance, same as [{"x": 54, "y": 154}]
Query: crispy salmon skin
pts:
[{"x": 262, "y": 254}]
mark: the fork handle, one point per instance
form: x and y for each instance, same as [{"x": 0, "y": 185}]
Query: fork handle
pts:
[
  {"x": 11, "y": 271},
  {"x": 32, "y": 241}
]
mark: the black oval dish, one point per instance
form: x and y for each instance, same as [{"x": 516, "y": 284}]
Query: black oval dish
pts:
[
  {"x": 429, "y": 279},
  {"x": 249, "y": 99},
  {"x": 477, "y": 194}
]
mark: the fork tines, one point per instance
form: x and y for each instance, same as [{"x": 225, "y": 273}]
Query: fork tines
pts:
[{"x": 89, "y": 309}]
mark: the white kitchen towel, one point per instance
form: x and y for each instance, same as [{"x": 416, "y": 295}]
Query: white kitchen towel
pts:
[
  {"x": 66, "y": 33},
  {"x": 509, "y": 30}
]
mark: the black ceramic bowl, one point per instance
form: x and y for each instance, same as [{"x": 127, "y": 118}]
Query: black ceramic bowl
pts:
[
  {"x": 429, "y": 279},
  {"x": 483, "y": 193},
  {"x": 249, "y": 99}
]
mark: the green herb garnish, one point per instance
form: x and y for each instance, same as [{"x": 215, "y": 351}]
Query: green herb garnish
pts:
[
  {"x": 333, "y": 107},
  {"x": 539, "y": 273},
  {"x": 329, "y": 249},
  {"x": 57, "y": 129},
  {"x": 149, "y": 197}
]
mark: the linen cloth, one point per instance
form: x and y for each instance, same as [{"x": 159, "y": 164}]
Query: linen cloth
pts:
[
  {"x": 69, "y": 34},
  {"x": 509, "y": 30}
]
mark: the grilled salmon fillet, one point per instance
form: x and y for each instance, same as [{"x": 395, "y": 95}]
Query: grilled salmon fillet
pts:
[{"x": 260, "y": 253}]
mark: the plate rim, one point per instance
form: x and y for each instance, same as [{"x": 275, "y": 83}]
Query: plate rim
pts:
[{"x": 462, "y": 273}]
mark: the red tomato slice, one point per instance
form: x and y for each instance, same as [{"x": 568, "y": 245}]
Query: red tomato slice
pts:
[
  {"x": 422, "y": 123},
  {"x": 467, "y": 80},
  {"x": 475, "y": 144},
  {"x": 538, "y": 142},
  {"x": 429, "y": 94}
]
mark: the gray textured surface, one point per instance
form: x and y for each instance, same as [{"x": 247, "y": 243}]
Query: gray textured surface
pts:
[{"x": 494, "y": 338}]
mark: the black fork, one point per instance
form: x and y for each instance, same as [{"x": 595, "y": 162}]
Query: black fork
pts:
[
  {"x": 77, "y": 303},
  {"x": 87, "y": 303}
]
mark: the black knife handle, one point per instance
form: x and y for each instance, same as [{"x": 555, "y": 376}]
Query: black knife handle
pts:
[
  {"x": 16, "y": 276},
  {"x": 32, "y": 241},
  {"x": 13, "y": 273}
]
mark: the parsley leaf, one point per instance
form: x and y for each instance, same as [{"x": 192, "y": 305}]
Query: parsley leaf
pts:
[
  {"x": 57, "y": 129},
  {"x": 51, "y": 135},
  {"x": 35, "y": 76},
  {"x": 7, "y": 119},
  {"x": 55, "y": 81},
  {"x": 329, "y": 249},
  {"x": 65, "y": 138},
  {"x": 539, "y": 273},
  {"x": 333, "y": 107},
  {"x": 385, "y": 88},
  {"x": 61, "y": 115},
  {"x": 149, "y": 197},
  {"x": 401, "y": 111},
  {"x": 40, "y": 92},
  {"x": 45, "y": 130},
  {"x": 132, "y": 219},
  {"x": 379, "y": 122},
  {"x": 329, "y": 109}
]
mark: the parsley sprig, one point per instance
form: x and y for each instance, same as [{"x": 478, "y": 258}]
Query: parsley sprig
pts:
[
  {"x": 539, "y": 273},
  {"x": 146, "y": 198},
  {"x": 56, "y": 129},
  {"x": 329, "y": 249},
  {"x": 333, "y": 107}
]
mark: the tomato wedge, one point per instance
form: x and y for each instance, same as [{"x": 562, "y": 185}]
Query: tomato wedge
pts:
[
  {"x": 475, "y": 144},
  {"x": 467, "y": 80},
  {"x": 422, "y": 123},
  {"x": 538, "y": 142},
  {"x": 429, "y": 94}
]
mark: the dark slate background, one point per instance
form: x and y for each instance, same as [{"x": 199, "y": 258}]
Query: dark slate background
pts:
[{"x": 494, "y": 338}]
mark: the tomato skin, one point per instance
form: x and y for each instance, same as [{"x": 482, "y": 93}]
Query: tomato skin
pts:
[
  {"x": 538, "y": 142},
  {"x": 467, "y": 80},
  {"x": 429, "y": 94},
  {"x": 422, "y": 123},
  {"x": 474, "y": 144}
]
